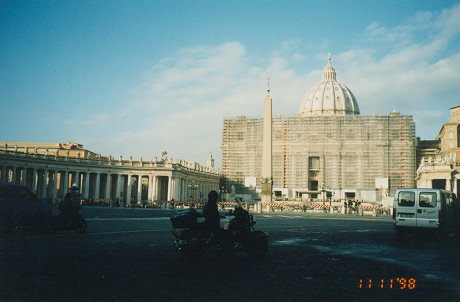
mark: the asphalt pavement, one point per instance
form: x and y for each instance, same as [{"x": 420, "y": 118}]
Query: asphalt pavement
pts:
[{"x": 128, "y": 255}]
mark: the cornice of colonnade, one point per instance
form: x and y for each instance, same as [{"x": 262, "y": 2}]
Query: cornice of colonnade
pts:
[{"x": 169, "y": 168}]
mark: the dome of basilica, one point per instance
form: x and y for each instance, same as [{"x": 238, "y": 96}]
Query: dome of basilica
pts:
[{"x": 329, "y": 97}]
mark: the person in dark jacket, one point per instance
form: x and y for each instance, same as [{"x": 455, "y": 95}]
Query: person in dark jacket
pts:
[
  {"x": 211, "y": 215},
  {"x": 210, "y": 211},
  {"x": 70, "y": 205},
  {"x": 66, "y": 208},
  {"x": 242, "y": 219}
]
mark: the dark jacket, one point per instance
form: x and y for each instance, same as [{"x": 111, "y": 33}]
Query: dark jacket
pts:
[
  {"x": 66, "y": 205},
  {"x": 211, "y": 214}
]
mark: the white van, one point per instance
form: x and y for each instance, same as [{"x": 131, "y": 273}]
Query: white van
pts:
[{"x": 425, "y": 208}]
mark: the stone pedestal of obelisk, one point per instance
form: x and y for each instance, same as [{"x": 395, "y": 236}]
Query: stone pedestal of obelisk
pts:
[{"x": 266, "y": 177}]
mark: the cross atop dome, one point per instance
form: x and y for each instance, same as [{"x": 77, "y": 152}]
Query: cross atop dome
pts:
[{"x": 329, "y": 71}]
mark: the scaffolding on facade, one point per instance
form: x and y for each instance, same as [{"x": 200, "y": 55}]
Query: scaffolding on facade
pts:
[{"x": 342, "y": 153}]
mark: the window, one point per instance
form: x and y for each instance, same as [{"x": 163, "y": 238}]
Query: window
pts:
[
  {"x": 313, "y": 163},
  {"x": 450, "y": 200},
  {"x": 427, "y": 200},
  {"x": 406, "y": 199}
]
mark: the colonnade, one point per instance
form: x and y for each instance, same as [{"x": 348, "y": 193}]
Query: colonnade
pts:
[{"x": 51, "y": 178}]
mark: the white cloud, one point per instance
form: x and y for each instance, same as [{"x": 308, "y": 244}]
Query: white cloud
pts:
[
  {"x": 184, "y": 98},
  {"x": 411, "y": 75}
]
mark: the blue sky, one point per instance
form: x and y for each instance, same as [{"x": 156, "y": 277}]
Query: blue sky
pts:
[{"x": 139, "y": 77}]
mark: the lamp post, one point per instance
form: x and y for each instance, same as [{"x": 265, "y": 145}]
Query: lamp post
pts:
[
  {"x": 323, "y": 189},
  {"x": 193, "y": 187},
  {"x": 223, "y": 191},
  {"x": 329, "y": 195}
]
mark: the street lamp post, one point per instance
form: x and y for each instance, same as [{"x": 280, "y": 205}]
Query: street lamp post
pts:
[
  {"x": 193, "y": 187},
  {"x": 222, "y": 192},
  {"x": 329, "y": 195},
  {"x": 323, "y": 190}
]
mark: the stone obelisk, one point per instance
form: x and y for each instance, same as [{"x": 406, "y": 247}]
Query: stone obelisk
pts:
[{"x": 266, "y": 177}]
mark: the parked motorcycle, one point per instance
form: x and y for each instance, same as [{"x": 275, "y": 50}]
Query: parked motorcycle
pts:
[
  {"x": 59, "y": 223},
  {"x": 236, "y": 234}
]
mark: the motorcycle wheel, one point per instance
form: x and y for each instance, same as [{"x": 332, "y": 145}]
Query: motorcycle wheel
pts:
[
  {"x": 80, "y": 226},
  {"x": 52, "y": 225},
  {"x": 259, "y": 245}
]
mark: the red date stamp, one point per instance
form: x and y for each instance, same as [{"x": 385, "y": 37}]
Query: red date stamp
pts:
[{"x": 393, "y": 283}]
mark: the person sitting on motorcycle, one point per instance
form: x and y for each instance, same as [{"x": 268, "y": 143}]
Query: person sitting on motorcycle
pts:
[
  {"x": 66, "y": 208},
  {"x": 242, "y": 219},
  {"x": 70, "y": 205},
  {"x": 76, "y": 197}
]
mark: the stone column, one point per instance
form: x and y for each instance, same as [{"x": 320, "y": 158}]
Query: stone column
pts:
[
  {"x": 154, "y": 188},
  {"x": 34, "y": 181},
  {"x": 78, "y": 180},
  {"x": 13, "y": 180},
  {"x": 128, "y": 190},
  {"x": 45, "y": 183},
  {"x": 55, "y": 184},
  {"x": 86, "y": 186},
  {"x": 174, "y": 188},
  {"x": 169, "y": 195},
  {"x": 4, "y": 176},
  {"x": 139, "y": 188},
  {"x": 65, "y": 189},
  {"x": 149, "y": 191},
  {"x": 23, "y": 176},
  {"x": 448, "y": 184},
  {"x": 182, "y": 189},
  {"x": 97, "y": 186},
  {"x": 119, "y": 177},
  {"x": 107, "y": 186},
  {"x": 186, "y": 192}
]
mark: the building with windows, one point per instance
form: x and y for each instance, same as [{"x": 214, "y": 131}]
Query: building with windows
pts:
[
  {"x": 327, "y": 147},
  {"x": 440, "y": 169}
]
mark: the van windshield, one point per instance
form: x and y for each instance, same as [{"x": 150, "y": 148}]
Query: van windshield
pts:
[
  {"x": 406, "y": 199},
  {"x": 427, "y": 200}
]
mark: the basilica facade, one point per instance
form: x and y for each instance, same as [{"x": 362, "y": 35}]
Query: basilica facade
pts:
[{"x": 327, "y": 150}]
